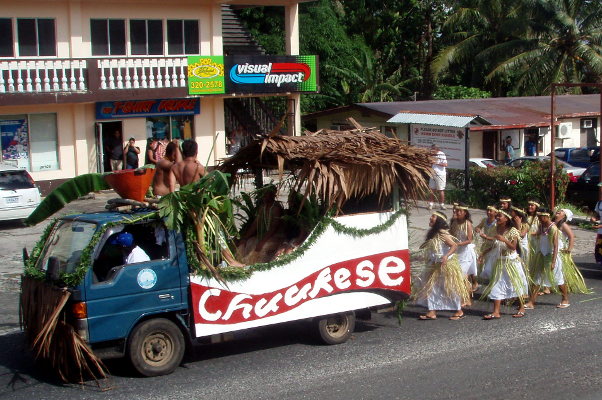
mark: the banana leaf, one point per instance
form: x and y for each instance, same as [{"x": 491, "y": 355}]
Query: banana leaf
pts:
[{"x": 64, "y": 194}]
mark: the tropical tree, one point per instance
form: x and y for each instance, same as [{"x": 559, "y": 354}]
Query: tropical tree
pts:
[
  {"x": 365, "y": 81},
  {"x": 563, "y": 44},
  {"x": 473, "y": 27}
]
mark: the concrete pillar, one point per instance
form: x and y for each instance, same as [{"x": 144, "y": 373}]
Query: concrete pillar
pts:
[
  {"x": 76, "y": 47},
  {"x": 80, "y": 138},
  {"x": 291, "y": 23}
]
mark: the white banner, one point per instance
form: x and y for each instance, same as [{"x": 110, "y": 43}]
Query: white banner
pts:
[{"x": 450, "y": 140}]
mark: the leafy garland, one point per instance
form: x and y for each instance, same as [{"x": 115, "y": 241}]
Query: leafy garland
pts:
[
  {"x": 229, "y": 273},
  {"x": 236, "y": 274},
  {"x": 74, "y": 278}
]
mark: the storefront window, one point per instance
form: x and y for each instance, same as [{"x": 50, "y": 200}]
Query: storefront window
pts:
[
  {"x": 169, "y": 127},
  {"x": 29, "y": 141}
]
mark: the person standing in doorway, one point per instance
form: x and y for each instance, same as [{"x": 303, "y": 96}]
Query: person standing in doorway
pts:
[
  {"x": 113, "y": 147},
  {"x": 131, "y": 154},
  {"x": 508, "y": 150},
  {"x": 437, "y": 181},
  {"x": 531, "y": 145}
]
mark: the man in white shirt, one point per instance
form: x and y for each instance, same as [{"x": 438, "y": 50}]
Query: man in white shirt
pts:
[
  {"x": 437, "y": 181},
  {"x": 135, "y": 254}
]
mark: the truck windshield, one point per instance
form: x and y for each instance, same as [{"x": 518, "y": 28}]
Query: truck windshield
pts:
[{"x": 67, "y": 242}]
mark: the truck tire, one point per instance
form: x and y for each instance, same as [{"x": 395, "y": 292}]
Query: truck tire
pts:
[
  {"x": 156, "y": 347},
  {"x": 336, "y": 328}
]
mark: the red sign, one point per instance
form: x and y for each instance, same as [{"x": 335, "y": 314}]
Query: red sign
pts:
[{"x": 388, "y": 271}]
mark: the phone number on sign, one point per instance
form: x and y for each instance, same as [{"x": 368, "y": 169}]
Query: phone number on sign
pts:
[{"x": 206, "y": 85}]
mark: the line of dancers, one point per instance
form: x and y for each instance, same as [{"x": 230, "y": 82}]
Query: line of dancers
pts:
[{"x": 515, "y": 254}]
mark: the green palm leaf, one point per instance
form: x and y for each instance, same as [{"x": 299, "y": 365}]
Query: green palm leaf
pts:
[{"x": 65, "y": 193}]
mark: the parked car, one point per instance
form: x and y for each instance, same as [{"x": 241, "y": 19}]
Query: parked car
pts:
[
  {"x": 19, "y": 195},
  {"x": 573, "y": 172},
  {"x": 577, "y": 156},
  {"x": 585, "y": 190},
  {"x": 483, "y": 163}
]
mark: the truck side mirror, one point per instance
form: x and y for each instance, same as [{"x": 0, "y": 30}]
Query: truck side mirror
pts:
[
  {"x": 25, "y": 255},
  {"x": 52, "y": 273}
]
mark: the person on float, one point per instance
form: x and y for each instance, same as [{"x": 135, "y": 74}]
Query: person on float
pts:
[
  {"x": 486, "y": 231},
  {"x": 505, "y": 204},
  {"x": 546, "y": 266},
  {"x": 508, "y": 279},
  {"x": 572, "y": 276},
  {"x": 462, "y": 229},
  {"x": 443, "y": 285}
]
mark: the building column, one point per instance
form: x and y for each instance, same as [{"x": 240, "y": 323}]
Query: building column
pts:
[
  {"x": 291, "y": 23},
  {"x": 76, "y": 46},
  {"x": 80, "y": 139}
]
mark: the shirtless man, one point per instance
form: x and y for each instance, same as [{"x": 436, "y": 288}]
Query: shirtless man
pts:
[
  {"x": 189, "y": 169},
  {"x": 161, "y": 182}
]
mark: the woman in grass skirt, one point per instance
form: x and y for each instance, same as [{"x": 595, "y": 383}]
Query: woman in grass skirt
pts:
[
  {"x": 546, "y": 266},
  {"x": 461, "y": 228},
  {"x": 508, "y": 279},
  {"x": 519, "y": 217},
  {"x": 572, "y": 276},
  {"x": 487, "y": 230},
  {"x": 443, "y": 286}
]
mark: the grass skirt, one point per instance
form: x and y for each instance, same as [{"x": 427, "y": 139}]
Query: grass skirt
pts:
[
  {"x": 543, "y": 275},
  {"x": 443, "y": 288},
  {"x": 572, "y": 276},
  {"x": 508, "y": 279}
]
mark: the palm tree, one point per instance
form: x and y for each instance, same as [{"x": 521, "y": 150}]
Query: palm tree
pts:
[
  {"x": 474, "y": 27},
  {"x": 563, "y": 43},
  {"x": 364, "y": 81}
]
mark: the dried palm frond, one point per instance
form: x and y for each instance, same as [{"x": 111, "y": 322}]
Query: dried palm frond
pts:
[
  {"x": 339, "y": 165},
  {"x": 53, "y": 341}
]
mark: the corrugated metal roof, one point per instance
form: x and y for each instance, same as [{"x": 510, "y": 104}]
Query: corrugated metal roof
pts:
[{"x": 432, "y": 119}]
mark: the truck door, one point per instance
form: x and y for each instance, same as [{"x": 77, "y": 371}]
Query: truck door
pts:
[{"x": 119, "y": 294}]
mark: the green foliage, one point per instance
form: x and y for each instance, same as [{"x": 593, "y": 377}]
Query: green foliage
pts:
[
  {"x": 65, "y": 193},
  {"x": 444, "y": 92},
  {"x": 488, "y": 185}
]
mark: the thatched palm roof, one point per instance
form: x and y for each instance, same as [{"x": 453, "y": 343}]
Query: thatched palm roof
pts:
[{"x": 338, "y": 165}]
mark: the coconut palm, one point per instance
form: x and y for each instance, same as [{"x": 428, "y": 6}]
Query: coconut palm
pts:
[
  {"x": 563, "y": 43},
  {"x": 474, "y": 27}
]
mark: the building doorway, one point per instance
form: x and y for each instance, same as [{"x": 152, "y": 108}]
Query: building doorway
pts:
[
  {"x": 109, "y": 135},
  {"x": 490, "y": 144}
]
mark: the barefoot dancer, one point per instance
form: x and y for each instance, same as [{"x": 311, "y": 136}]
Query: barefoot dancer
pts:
[
  {"x": 444, "y": 285},
  {"x": 508, "y": 279},
  {"x": 461, "y": 229},
  {"x": 572, "y": 276},
  {"x": 547, "y": 266}
]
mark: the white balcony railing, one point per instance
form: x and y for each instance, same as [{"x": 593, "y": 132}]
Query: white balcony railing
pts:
[
  {"x": 142, "y": 73},
  {"x": 80, "y": 75},
  {"x": 36, "y": 76}
]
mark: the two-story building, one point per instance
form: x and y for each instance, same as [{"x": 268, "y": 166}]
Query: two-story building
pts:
[{"x": 75, "y": 73}]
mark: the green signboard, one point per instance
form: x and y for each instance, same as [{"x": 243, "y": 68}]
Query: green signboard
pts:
[
  {"x": 252, "y": 74},
  {"x": 206, "y": 75}
]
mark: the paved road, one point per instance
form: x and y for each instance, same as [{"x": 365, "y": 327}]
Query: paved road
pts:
[{"x": 551, "y": 353}]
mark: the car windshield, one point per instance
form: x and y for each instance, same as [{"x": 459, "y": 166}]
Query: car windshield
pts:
[
  {"x": 13, "y": 180},
  {"x": 580, "y": 155},
  {"x": 591, "y": 171},
  {"x": 67, "y": 242}
]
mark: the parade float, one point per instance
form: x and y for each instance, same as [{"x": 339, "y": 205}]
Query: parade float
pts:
[{"x": 341, "y": 249}]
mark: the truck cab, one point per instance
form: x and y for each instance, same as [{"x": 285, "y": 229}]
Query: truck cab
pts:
[{"x": 115, "y": 300}]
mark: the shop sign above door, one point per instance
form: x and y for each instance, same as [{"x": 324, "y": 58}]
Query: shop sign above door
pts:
[
  {"x": 145, "y": 108},
  {"x": 247, "y": 74}
]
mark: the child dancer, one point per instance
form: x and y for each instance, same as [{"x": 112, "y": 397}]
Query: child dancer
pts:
[
  {"x": 508, "y": 279},
  {"x": 461, "y": 229},
  {"x": 444, "y": 286},
  {"x": 546, "y": 264},
  {"x": 505, "y": 204},
  {"x": 519, "y": 218},
  {"x": 572, "y": 276},
  {"x": 486, "y": 231},
  {"x": 533, "y": 221}
]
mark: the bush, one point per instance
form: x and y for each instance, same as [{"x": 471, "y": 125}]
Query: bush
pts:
[{"x": 488, "y": 185}]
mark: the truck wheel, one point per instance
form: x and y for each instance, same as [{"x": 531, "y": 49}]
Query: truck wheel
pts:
[
  {"x": 156, "y": 347},
  {"x": 337, "y": 328}
]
